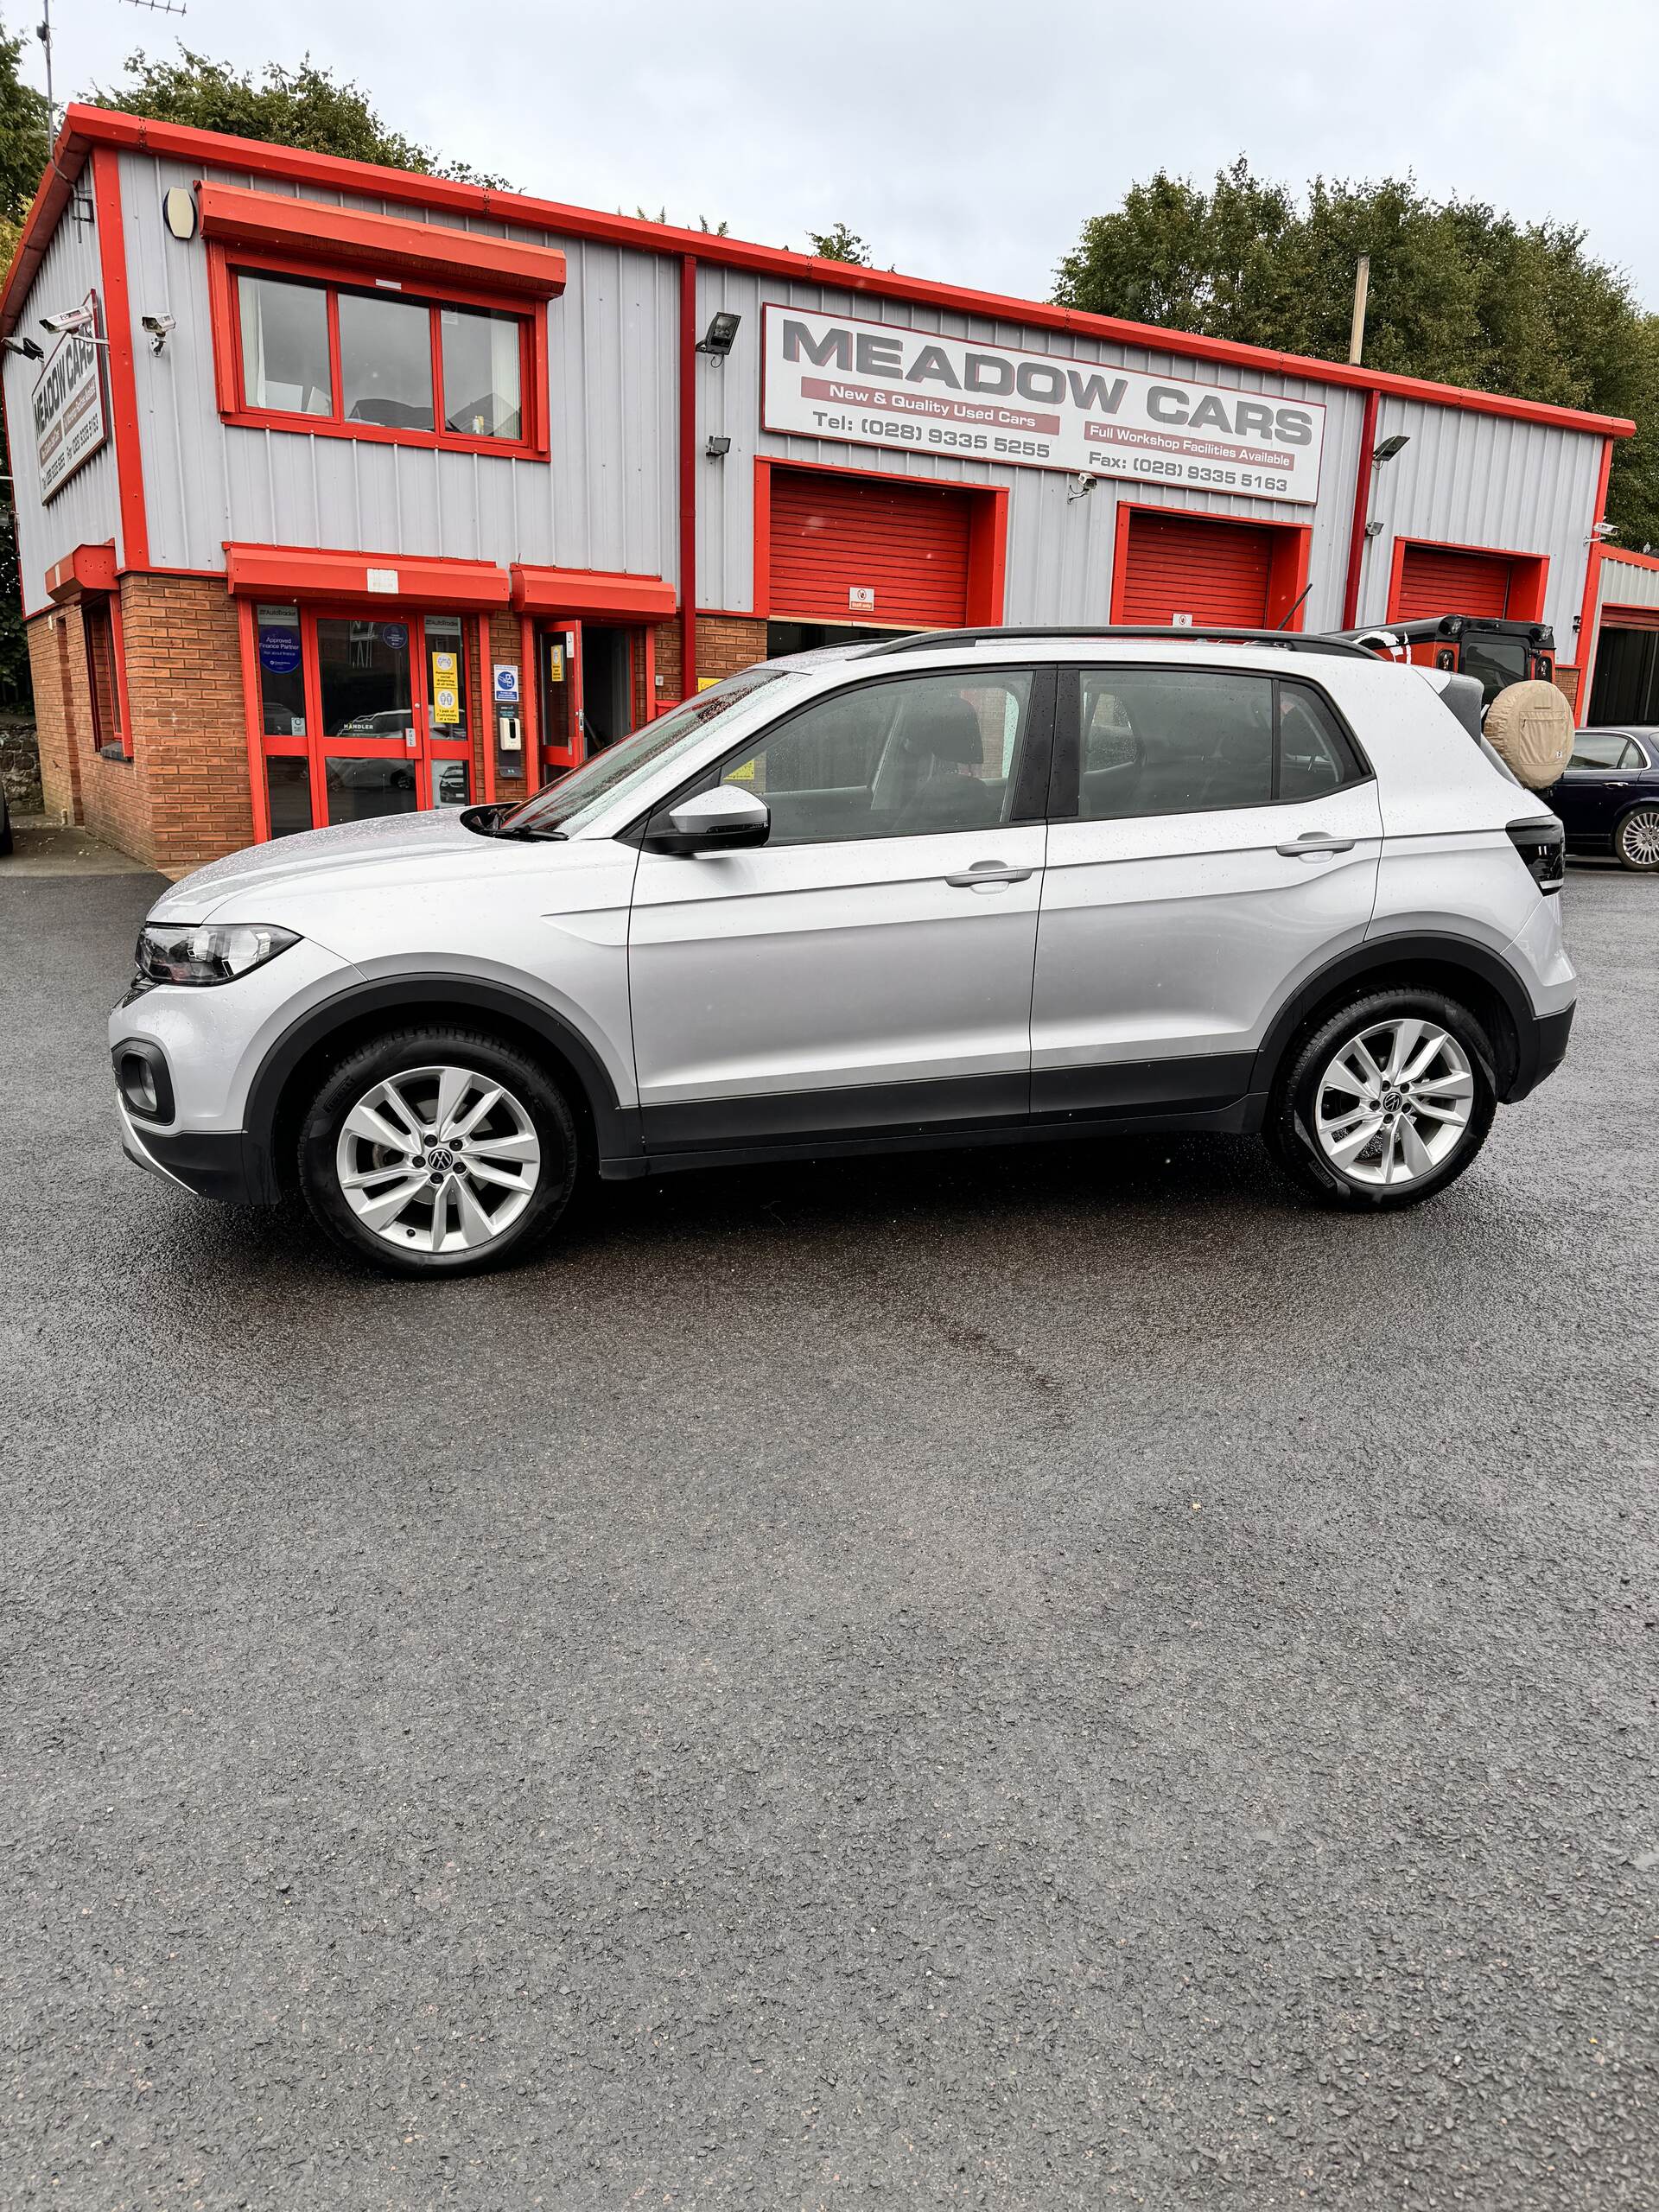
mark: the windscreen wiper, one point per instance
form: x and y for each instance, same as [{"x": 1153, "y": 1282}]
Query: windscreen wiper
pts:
[{"x": 490, "y": 821}]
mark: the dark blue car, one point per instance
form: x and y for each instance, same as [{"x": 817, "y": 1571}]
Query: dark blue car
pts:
[{"x": 1608, "y": 797}]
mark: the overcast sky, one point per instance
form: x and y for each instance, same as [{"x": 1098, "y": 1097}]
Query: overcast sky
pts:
[{"x": 965, "y": 141}]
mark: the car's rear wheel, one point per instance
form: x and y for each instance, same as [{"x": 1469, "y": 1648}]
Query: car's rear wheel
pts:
[
  {"x": 438, "y": 1151},
  {"x": 1637, "y": 841},
  {"x": 1386, "y": 1103}
]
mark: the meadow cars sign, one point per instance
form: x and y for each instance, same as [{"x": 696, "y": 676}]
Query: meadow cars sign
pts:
[
  {"x": 828, "y": 376},
  {"x": 71, "y": 417}
]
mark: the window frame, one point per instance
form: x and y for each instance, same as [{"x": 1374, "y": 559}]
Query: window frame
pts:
[
  {"x": 1031, "y": 767},
  {"x": 1065, "y": 783},
  {"x": 226, "y": 263},
  {"x": 104, "y": 608}
]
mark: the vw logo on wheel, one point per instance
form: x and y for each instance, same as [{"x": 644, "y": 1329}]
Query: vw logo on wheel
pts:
[{"x": 440, "y": 1156}]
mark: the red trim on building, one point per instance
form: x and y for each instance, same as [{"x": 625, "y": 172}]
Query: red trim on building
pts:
[
  {"x": 89, "y": 568},
  {"x": 1589, "y": 621},
  {"x": 295, "y": 572},
  {"x": 124, "y": 388},
  {"x": 225, "y": 314},
  {"x": 988, "y": 554},
  {"x": 986, "y": 545},
  {"x": 1291, "y": 551},
  {"x": 274, "y": 222},
  {"x": 1529, "y": 577},
  {"x": 85, "y": 126},
  {"x": 1362, "y": 509},
  {"x": 591, "y": 591},
  {"x": 254, "y": 710},
  {"x": 688, "y": 459}
]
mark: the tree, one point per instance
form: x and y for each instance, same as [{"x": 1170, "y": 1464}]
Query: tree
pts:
[
  {"x": 1459, "y": 292},
  {"x": 840, "y": 243},
  {"x": 305, "y": 106},
  {"x": 24, "y": 145}
]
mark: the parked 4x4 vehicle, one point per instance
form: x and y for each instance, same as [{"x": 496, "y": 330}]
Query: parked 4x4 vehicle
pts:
[{"x": 968, "y": 888}]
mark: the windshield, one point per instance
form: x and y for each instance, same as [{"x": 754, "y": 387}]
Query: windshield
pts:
[{"x": 609, "y": 775}]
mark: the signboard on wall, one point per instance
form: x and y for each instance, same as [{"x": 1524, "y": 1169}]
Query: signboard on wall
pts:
[
  {"x": 874, "y": 383},
  {"x": 71, "y": 415}
]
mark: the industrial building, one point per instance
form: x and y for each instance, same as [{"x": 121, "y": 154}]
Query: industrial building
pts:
[{"x": 342, "y": 490}]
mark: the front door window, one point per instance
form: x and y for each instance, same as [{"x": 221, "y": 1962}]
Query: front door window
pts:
[
  {"x": 371, "y": 764},
  {"x": 364, "y": 712}
]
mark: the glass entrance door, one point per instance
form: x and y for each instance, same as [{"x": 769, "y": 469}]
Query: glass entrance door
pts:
[{"x": 365, "y": 713}]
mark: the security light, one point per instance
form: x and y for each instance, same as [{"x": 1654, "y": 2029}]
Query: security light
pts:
[
  {"x": 717, "y": 448},
  {"x": 26, "y": 347},
  {"x": 720, "y": 334},
  {"x": 1390, "y": 447}
]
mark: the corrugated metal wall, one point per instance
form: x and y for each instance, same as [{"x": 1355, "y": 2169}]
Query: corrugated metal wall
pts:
[
  {"x": 1626, "y": 583},
  {"x": 87, "y": 510},
  {"x": 1059, "y": 553},
  {"x": 1487, "y": 480},
  {"x": 607, "y": 500}
]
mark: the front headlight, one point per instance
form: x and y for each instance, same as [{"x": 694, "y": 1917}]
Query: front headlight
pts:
[{"x": 204, "y": 952}]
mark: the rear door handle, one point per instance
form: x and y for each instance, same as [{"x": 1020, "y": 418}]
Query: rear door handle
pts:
[
  {"x": 983, "y": 873},
  {"x": 1313, "y": 845}
]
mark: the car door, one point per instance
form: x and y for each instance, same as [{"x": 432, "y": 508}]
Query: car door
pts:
[
  {"x": 868, "y": 969},
  {"x": 1215, "y": 837},
  {"x": 1596, "y": 786}
]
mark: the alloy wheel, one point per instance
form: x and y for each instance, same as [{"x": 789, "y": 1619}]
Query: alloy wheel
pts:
[
  {"x": 1394, "y": 1103},
  {"x": 1638, "y": 838},
  {"x": 438, "y": 1160}
]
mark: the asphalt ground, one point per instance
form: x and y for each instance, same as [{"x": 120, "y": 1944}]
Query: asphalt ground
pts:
[{"x": 1045, "y": 1678}]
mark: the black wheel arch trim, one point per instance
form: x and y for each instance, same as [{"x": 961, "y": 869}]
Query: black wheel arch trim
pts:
[
  {"x": 1520, "y": 1067},
  {"x": 615, "y": 1127}
]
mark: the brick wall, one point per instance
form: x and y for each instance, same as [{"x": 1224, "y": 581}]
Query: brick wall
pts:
[
  {"x": 108, "y": 796},
  {"x": 727, "y": 643},
  {"x": 48, "y": 675},
  {"x": 666, "y": 649},
  {"x": 189, "y": 728},
  {"x": 506, "y": 649}
]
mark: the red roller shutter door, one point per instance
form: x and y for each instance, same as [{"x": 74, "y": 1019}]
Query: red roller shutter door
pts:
[
  {"x": 1183, "y": 564},
  {"x": 832, "y": 536},
  {"x": 1438, "y": 579}
]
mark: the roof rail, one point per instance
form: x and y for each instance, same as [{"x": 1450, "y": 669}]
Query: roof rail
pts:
[{"x": 1295, "y": 641}]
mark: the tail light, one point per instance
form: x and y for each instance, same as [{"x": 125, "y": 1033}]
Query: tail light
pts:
[{"x": 1541, "y": 844}]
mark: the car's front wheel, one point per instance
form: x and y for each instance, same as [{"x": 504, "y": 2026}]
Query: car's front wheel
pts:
[
  {"x": 438, "y": 1151},
  {"x": 1386, "y": 1103},
  {"x": 1637, "y": 841}
]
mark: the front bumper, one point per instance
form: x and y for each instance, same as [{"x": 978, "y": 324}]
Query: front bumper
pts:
[{"x": 209, "y": 1163}]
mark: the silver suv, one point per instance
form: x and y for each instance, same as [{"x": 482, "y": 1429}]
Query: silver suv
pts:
[{"x": 955, "y": 889}]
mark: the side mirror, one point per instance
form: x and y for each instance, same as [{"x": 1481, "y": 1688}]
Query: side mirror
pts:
[{"x": 719, "y": 821}]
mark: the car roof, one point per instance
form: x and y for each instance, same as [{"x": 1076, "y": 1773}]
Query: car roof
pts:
[{"x": 1252, "y": 649}]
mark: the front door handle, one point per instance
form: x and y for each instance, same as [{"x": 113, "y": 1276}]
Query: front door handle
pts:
[
  {"x": 983, "y": 873},
  {"x": 1313, "y": 845}
]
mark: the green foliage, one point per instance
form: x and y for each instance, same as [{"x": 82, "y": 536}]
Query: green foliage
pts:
[
  {"x": 714, "y": 230},
  {"x": 305, "y": 106},
  {"x": 839, "y": 244},
  {"x": 24, "y": 145},
  {"x": 1458, "y": 293}
]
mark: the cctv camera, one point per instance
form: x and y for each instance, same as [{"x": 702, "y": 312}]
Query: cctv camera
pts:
[
  {"x": 71, "y": 318},
  {"x": 158, "y": 326}
]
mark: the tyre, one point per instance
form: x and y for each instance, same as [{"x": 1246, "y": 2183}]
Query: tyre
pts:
[
  {"x": 1636, "y": 839},
  {"x": 438, "y": 1151},
  {"x": 1386, "y": 1103}
]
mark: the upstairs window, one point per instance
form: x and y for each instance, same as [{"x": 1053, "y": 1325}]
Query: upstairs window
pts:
[{"x": 370, "y": 361}]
